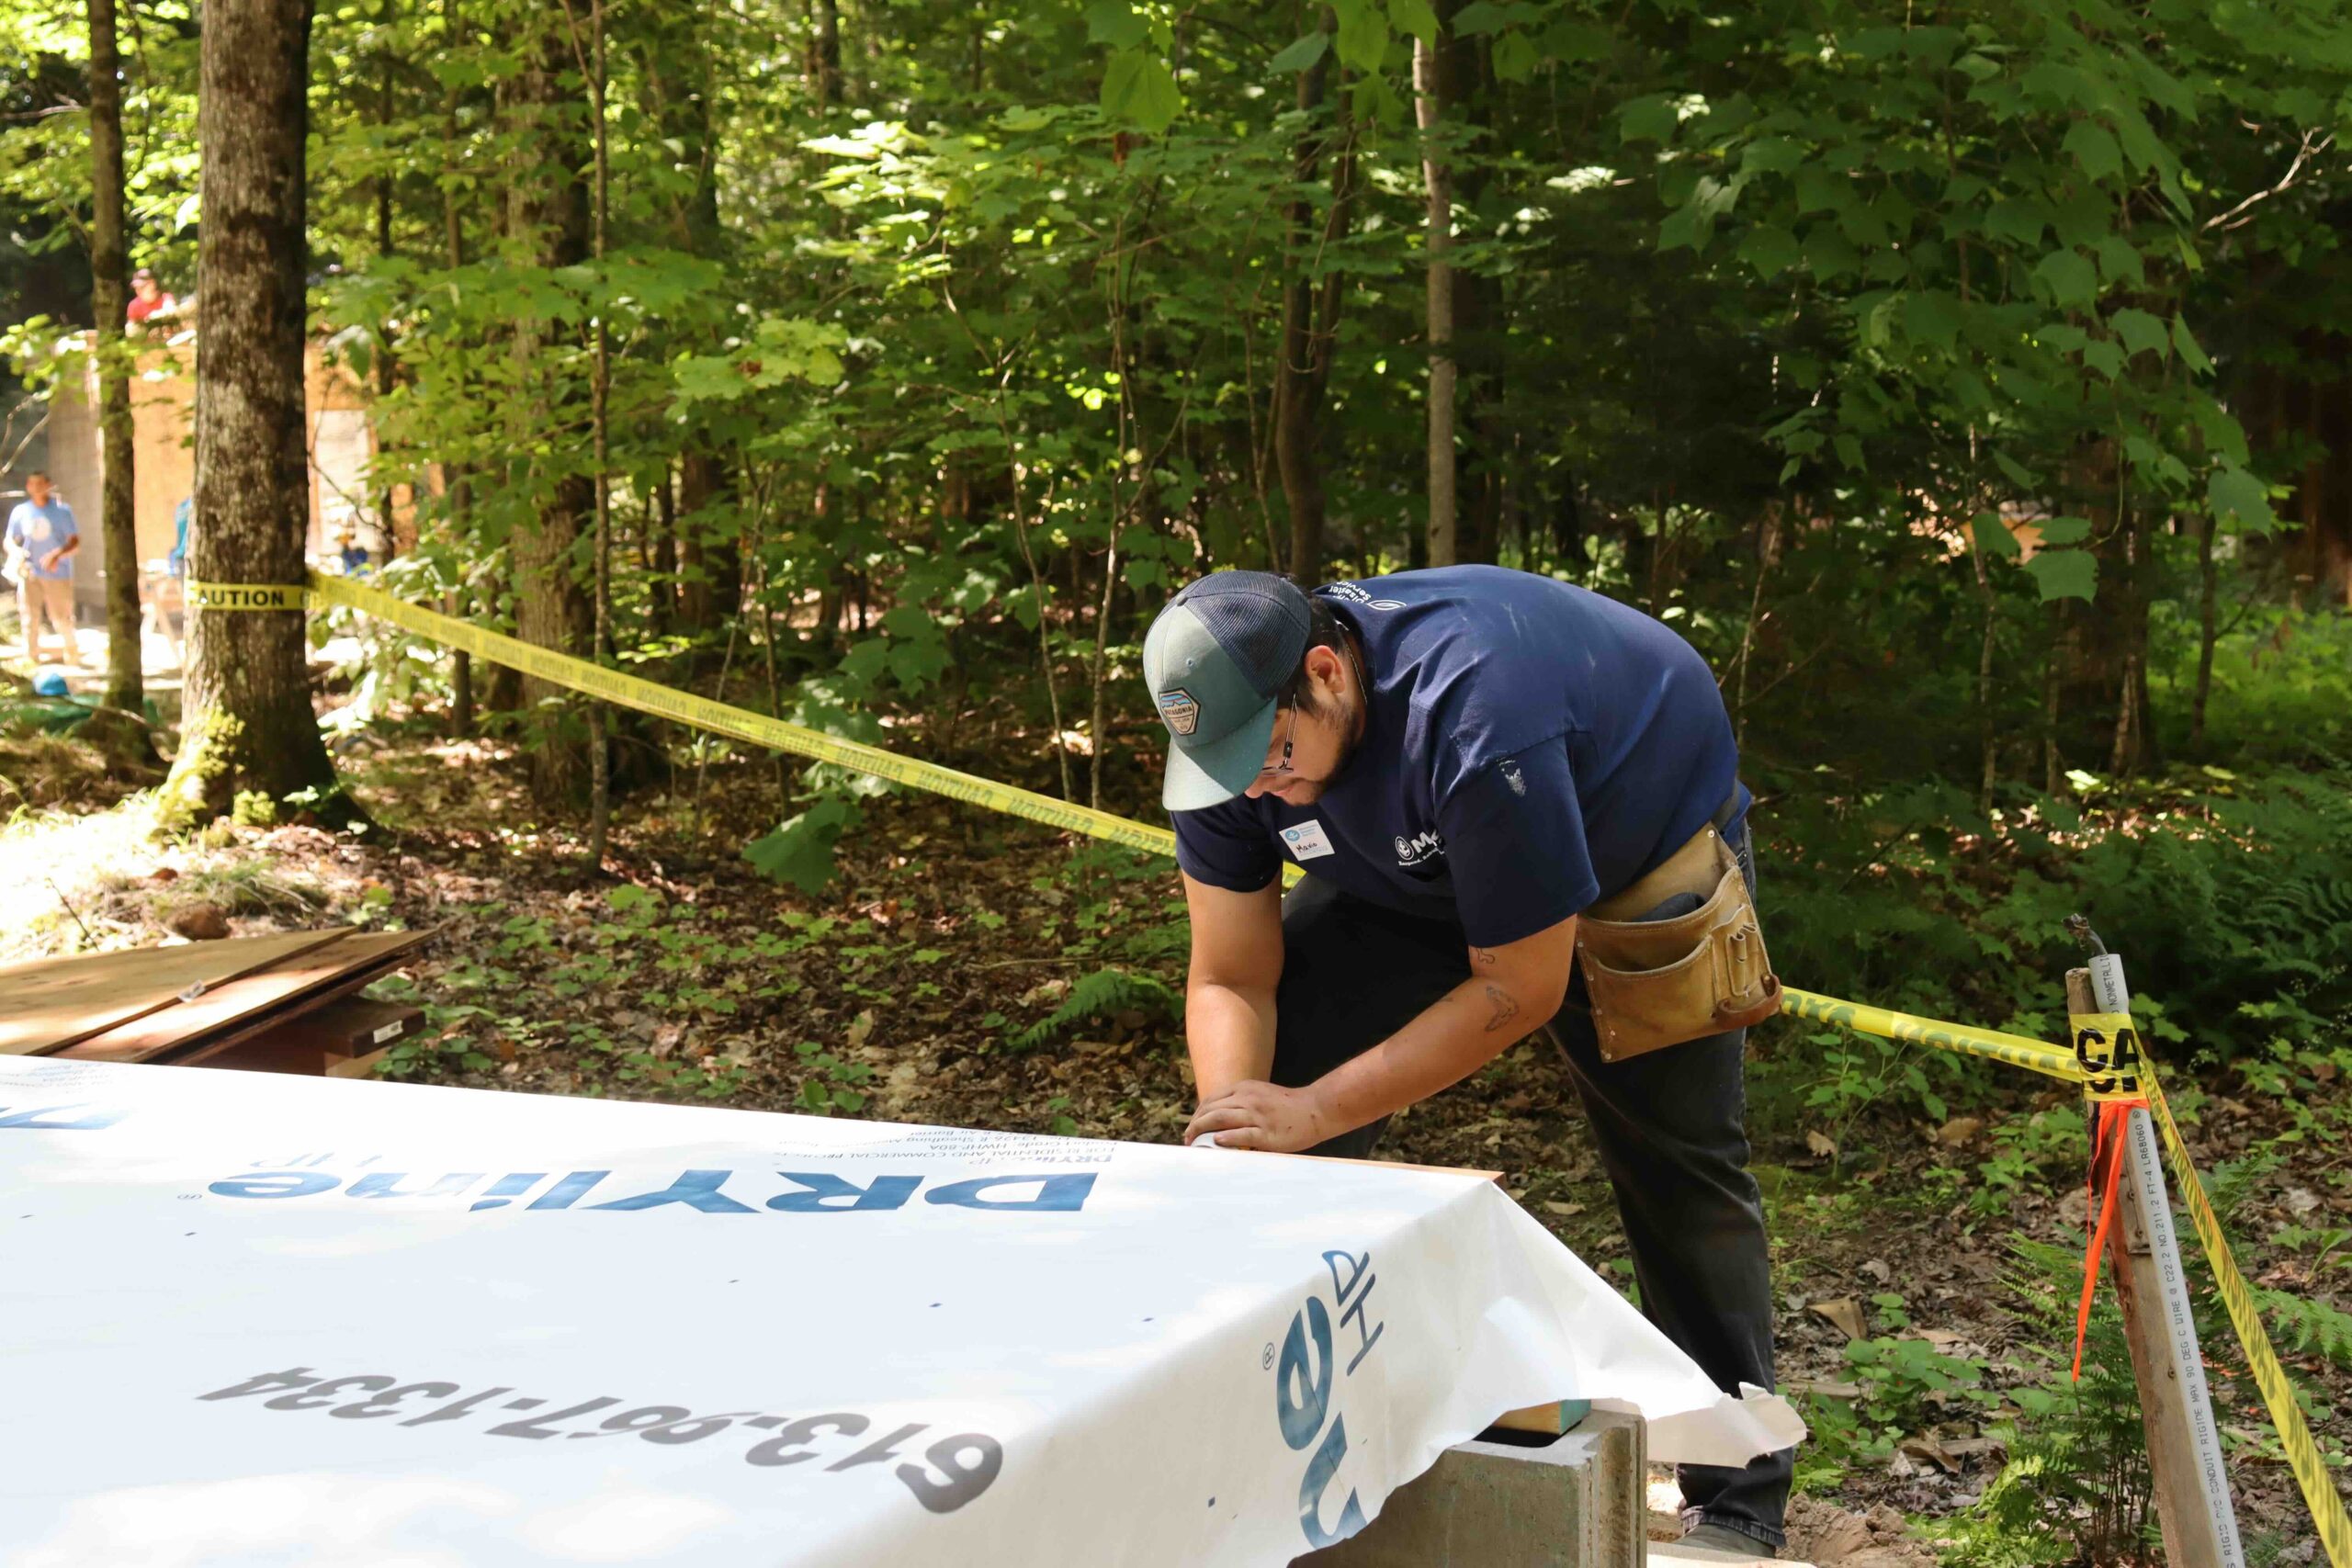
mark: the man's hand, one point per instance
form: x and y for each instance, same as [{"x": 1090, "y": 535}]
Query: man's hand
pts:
[
  {"x": 48, "y": 562},
  {"x": 1255, "y": 1115}
]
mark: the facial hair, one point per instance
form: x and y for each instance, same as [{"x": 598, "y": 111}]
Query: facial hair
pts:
[{"x": 1304, "y": 790}]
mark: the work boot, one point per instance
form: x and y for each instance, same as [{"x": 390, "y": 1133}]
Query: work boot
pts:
[{"x": 1723, "y": 1538}]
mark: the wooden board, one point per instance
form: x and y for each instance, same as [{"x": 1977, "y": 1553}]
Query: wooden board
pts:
[
  {"x": 336, "y": 1031},
  {"x": 1551, "y": 1420},
  {"x": 352, "y": 1026},
  {"x": 251, "y": 998},
  {"x": 295, "y": 1009},
  {"x": 54, "y": 1002}
]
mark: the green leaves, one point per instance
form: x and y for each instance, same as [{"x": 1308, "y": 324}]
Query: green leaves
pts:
[
  {"x": 1302, "y": 55},
  {"x": 1138, "y": 88},
  {"x": 2190, "y": 355},
  {"x": 1769, "y": 249},
  {"x": 1414, "y": 18},
  {"x": 2141, "y": 331},
  {"x": 1363, "y": 34},
  {"x": 801, "y": 852},
  {"x": 2236, "y": 495},
  {"x": 783, "y": 351},
  {"x": 2069, "y": 279},
  {"x": 1933, "y": 317},
  {"x": 2063, "y": 530},
  {"x": 1648, "y": 119},
  {"x": 2093, "y": 148},
  {"x": 1993, "y": 537},
  {"x": 1115, "y": 23},
  {"x": 2064, "y": 574}
]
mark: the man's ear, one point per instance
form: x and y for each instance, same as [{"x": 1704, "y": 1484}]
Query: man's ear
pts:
[{"x": 1323, "y": 666}]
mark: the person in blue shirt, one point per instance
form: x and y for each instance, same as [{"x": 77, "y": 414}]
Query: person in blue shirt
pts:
[
  {"x": 176, "y": 563},
  {"x": 1463, "y": 762},
  {"x": 40, "y": 543}
]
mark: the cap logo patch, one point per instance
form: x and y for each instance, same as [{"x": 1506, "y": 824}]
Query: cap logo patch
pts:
[{"x": 1182, "y": 713}]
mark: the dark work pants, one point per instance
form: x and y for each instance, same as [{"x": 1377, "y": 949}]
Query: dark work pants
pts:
[{"x": 1668, "y": 1126}]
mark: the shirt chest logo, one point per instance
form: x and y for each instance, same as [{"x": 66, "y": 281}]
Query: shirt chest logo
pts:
[
  {"x": 1420, "y": 848},
  {"x": 1306, "y": 840}
]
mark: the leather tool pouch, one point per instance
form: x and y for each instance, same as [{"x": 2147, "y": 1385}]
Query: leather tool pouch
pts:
[{"x": 1658, "y": 982}]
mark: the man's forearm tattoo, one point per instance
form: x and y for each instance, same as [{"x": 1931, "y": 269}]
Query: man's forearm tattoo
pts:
[
  {"x": 1483, "y": 958},
  {"x": 1505, "y": 1009}
]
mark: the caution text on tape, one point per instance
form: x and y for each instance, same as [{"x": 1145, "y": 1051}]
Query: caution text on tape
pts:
[
  {"x": 2107, "y": 1048},
  {"x": 243, "y": 595}
]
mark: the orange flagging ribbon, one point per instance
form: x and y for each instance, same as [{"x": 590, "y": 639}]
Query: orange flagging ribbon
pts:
[{"x": 2111, "y": 1118}]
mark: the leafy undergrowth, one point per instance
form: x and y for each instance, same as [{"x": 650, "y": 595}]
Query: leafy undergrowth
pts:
[{"x": 970, "y": 969}]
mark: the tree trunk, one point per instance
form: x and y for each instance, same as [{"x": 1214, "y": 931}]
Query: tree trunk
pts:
[
  {"x": 826, "y": 55},
  {"x": 1989, "y": 742},
  {"x": 663, "y": 589},
  {"x": 386, "y": 533},
  {"x": 1310, "y": 318},
  {"x": 547, "y": 222},
  {"x": 461, "y": 664},
  {"x": 677, "y": 87},
  {"x": 1483, "y": 443},
  {"x": 456, "y": 479},
  {"x": 1430, "y": 94},
  {"x": 2132, "y": 750},
  {"x": 2053, "y": 688},
  {"x": 2207, "y": 586},
  {"x": 600, "y": 757},
  {"x": 710, "y": 560},
  {"x": 251, "y": 726},
  {"x": 110, "y": 296}
]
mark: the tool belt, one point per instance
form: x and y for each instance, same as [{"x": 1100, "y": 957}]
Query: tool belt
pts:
[{"x": 1655, "y": 983}]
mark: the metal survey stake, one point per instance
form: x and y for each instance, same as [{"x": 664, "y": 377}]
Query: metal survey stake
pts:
[{"x": 2184, "y": 1445}]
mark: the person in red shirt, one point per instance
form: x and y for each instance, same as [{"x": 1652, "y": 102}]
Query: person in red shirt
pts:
[{"x": 147, "y": 296}]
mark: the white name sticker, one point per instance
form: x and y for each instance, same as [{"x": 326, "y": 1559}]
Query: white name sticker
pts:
[{"x": 1306, "y": 841}]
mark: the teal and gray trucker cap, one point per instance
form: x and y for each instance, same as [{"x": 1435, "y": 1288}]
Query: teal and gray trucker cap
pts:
[{"x": 1214, "y": 660}]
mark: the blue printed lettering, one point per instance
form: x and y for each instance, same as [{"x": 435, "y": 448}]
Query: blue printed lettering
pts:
[
  {"x": 570, "y": 1190},
  {"x": 276, "y": 1184},
  {"x": 823, "y": 1192},
  {"x": 1302, "y": 1415},
  {"x": 1316, "y": 1481},
  {"x": 509, "y": 1187},
  {"x": 696, "y": 1189},
  {"x": 1056, "y": 1194},
  {"x": 387, "y": 1184},
  {"x": 54, "y": 1118}
]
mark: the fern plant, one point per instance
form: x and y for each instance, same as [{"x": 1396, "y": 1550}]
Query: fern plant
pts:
[
  {"x": 2077, "y": 1487},
  {"x": 1103, "y": 994}
]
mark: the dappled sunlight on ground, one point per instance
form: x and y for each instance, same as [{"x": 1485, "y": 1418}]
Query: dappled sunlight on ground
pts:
[
  {"x": 94, "y": 881},
  {"x": 87, "y": 669}
]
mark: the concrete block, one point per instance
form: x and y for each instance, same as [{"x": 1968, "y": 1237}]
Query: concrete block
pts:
[{"x": 1573, "y": 1502}]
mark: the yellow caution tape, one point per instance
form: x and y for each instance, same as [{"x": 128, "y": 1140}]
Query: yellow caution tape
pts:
[
  {"x": 2014, "y": 1049},
  {"x": 2106, "y": 1047},
  {"x": 242, "y": 596},
  {"x": 2100, "y": 1059},
  {"x": 631, "y": 690},
  {"x": 2278, "y": 1390}
]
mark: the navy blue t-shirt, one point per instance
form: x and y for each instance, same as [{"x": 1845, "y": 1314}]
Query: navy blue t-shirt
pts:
[{"x": 1531, "y": 746}]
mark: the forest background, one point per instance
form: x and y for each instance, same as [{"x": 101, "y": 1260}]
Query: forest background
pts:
[{"x": 1965, "y": 381}]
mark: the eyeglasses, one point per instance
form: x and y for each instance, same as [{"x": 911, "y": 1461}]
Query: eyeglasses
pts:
[{"x": 1279, "y": 769}]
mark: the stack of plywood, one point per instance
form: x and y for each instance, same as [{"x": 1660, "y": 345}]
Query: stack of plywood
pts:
[{"x": 284, "y": 1003}]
